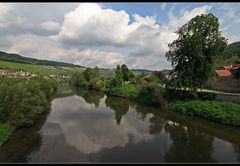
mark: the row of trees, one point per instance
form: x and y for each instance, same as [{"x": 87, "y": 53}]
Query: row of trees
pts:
[
  {"x": 143, "y": 87},
  {"x": 91, "y": 78}
]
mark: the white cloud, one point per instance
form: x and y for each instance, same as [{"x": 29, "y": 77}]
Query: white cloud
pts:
[
  {"x": 9, "y": 16},
  {"x": 45, "y": 48},
  {"x": 88, "y": 24},
  {"x": 91, "y": 26},
  {"x": 51, "y": 26},
  {"x": 175, "y": 22}
]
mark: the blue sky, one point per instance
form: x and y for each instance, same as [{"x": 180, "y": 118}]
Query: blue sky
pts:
[{"x": 105, "y": 34}]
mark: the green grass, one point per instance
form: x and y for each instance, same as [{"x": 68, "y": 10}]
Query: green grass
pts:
[
  {"x": 5, "y": 132},
  {"x": 39, "y": 69},
  {"x": 223, "y": 112}
]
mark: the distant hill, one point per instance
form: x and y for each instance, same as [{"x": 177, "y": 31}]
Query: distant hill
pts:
[
  {"x": 45, "y": 67},
  {"x": 139, "y": 71},
  {"x": 230, "y": 55},
  {"x": 232, "y": 50},
  {"x": 20, "y": 59}
]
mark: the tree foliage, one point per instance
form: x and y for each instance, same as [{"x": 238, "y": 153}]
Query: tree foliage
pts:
[
  {"x": 127, "y": 74},
  {"x": 21, "y": 99},
  {"x": 192, "y": 54},
  {"x": 119, "y": 77}
]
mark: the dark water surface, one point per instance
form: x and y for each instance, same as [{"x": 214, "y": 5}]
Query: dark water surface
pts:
[{"x": 91, "y": 127}]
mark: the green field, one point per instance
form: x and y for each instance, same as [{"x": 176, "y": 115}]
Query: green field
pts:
[{"x": 39, "y": 69}]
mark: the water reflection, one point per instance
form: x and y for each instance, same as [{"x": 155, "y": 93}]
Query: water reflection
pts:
[
  {"x": 93, "y": 127},
  {"x": 22, "y": 143},
  {"x": 90, "y": 97},
  {"x": 188, "y": 145},
  {"x": 119, "y": 105}
]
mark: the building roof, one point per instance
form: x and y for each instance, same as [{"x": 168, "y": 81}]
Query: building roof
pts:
[
  {"x": 227, "y": 67},
  {"x": 223, "y": 73},
  {"x": 235, "y": 67}
]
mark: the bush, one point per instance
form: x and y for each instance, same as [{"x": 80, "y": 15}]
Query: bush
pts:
[
  {"x": 22, "y": 99},
  {"x": 218, "y": 111},
  {"x": 151, "y": 94},
  {"x": 5, "y": 132},
  {"x": 78, "y": 80},
  {"x": 96, "y": 84}
]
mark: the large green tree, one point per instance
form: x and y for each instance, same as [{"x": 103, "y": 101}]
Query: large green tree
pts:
[{"x": 192, "y": 54}]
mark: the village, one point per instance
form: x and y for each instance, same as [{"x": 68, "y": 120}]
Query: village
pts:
[
  {"x": 229, "y": 71},
  {"x": 27, "y": 75}
]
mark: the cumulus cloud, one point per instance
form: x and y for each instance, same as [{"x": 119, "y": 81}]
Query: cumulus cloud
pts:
[
  {"x": 8, "y": 16},
  {"x": 100, "y": 27},
  {"x": 51, "y": 26},
  {"x": 90, "y": 25},
  {"x": 175, "y": 22}
]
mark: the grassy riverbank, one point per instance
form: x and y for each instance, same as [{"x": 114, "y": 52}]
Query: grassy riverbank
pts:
[
  {"x": 227, "y": 113},
  {"x": 21, "y": 100}
]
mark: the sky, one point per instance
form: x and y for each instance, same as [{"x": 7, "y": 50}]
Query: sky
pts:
[{"x": 105, "y": 34}]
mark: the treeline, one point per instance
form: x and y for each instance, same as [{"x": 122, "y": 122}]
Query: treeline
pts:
[
  {"x": 146, "y": 88},
  {"x": 21, "y": 100}
]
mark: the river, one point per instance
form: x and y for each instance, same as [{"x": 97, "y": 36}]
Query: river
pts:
[{"x": 90, "y": 127}]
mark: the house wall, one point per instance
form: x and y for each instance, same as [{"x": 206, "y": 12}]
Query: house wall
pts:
[{"x": 223, "y": 83}]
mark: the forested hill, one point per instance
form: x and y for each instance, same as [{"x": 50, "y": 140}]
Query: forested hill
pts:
[
  {"x": 19, "y": 59},
  {"x": 25, "y": 60},
  {"x": 145, "y": 71},
  {"x": 232, "y": 50}
]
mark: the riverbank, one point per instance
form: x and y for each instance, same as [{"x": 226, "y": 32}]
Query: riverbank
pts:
[
  {"x": 204, "y": 105},
  {"x": 21, "y": 101},
  {"x": 227, "y": 113}
]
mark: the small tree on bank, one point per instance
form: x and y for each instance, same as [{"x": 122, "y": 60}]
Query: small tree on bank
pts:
[
  {"x": 192, "y": 54},
  {"x": 119, "y": 76}
]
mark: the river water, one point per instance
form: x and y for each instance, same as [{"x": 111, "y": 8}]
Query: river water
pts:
[{"x": 88, "y": 126}]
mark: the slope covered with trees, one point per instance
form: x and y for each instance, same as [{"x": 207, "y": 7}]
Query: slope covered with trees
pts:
[
  {"x": 232, "y": 49},
  {"x": 20, "y": 59}
]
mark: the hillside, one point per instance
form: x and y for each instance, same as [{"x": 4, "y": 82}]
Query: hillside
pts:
[
  {"x": 20, "y": 59},
  {"x": 139, "y": 71},
  {"x": 45, "y": 67},
  {"x": 38, "y": 69},
  {"x": 230, "y": 55},
  {"x": 232, "y": 50}
]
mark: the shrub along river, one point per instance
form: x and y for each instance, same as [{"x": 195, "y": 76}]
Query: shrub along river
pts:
[{"x": 88, "y": 126}]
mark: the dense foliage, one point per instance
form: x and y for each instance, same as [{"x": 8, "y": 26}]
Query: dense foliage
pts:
[
  {"x": 192, "y": 54},
  {"x": 222, "y": 112},
  {"x": 22, "y": 99}
]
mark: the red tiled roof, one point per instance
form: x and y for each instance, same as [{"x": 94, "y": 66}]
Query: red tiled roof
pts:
[
  {"x": 223, "y": 73},
  {"x": 227, "y": 67},
  {"x": 235, "y": 67}
]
